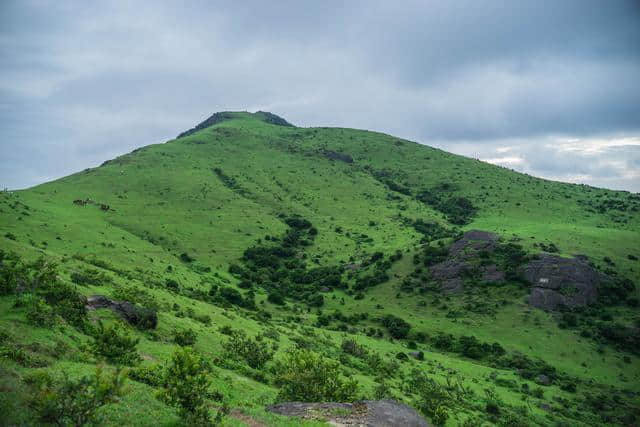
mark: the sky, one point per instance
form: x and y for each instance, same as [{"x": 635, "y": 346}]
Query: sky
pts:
[{"x": 546, "y": 87}]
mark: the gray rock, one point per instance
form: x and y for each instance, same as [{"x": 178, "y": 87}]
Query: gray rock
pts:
[
  {"x": 558, "y": 281},
  {"x": 374, "y": 413},
  {"x": 462, "y": 253},
  {"x": 140, "y": 317}
]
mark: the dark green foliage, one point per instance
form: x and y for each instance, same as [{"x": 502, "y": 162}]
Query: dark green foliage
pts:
[
  {"x": 185, "y": 257},
  {"x": 254, "y": 351},
  {"x": 39, "y": 313},
  {"x": 90, "y": 277},
  {"x": 275, "y": 297},
  {"x": 184, "y": 337},
  {"x": 172, "y": 285},
  {"x": 431, "y": 230},
  {"x": 315, "y": 300},
  {"x": 39, "y": 278},
  {"x": 305, "y": 376},
  {"x": 350, "y": 346},
  {"x": 528, "y": 368},
  {"x": 297, "y": 222},
  {"x": 277, "y": 265},
  {"x": 467, "y": 346},
  {"x": 616, "y": 290},
  {"x": 74, "y": 402},
  {"x": 621, "y": 336},
  {"x": 229, "y": 295},
  {"x": 396, "y": 326},
  {"x": 431, "y": 398},
  {"x": 230, "y": 182},
  {"x": 115, "y": 345},
  {"x": 433, "y": 254},
  {"x": 186, "y": 386},
  {"x": 152, "y": 375},
  {"x": 459, "y": 210}
]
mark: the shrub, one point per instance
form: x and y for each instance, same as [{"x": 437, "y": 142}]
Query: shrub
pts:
[
  {"x": 75, "y": 402},
  {"x": 172, "y": 284},
  {"x": 396, "y": 326},
  {"x": 275, "y": 298},
  {"x": 306, "y": 376},
  {"x": 185, "y": 257},
  {"x": 90, "y": 276},
  {"x": 152, "y": 375},
  {"x": 185, "y": 337},
  {"x": 186, "y": 386},
  {"x": 431, "y": 398},
  {"x": 115, "y": 345},
  {"x": 253, "y": 351},
  {"x": 39, "y": 313},
  {"x": 440, "y": 416}
]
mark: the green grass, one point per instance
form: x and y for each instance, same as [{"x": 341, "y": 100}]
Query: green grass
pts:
[{"x": 167, "y": 199}]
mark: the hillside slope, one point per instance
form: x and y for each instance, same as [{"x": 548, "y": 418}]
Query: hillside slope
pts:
[{"x": 171, "y": 223}]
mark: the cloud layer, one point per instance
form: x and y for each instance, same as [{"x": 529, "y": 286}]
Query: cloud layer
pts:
[{"x": 545, "y": 82}]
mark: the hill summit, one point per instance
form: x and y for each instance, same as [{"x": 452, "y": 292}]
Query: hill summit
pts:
[{"x": 221, "y": 116}]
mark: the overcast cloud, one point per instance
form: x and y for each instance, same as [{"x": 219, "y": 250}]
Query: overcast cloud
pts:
[{"x": 551, "y": 88}]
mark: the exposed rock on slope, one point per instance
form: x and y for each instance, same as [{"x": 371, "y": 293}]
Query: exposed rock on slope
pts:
[
  {"x": 140, "y": 317},
  {"x": 554, "y": 281},
  {"x": 378, "y": 413},
  {"x": 558, "y": 281},
  {"x": 462, "y": 253}
]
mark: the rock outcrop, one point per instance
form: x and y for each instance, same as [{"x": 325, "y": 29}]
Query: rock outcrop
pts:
[
  {"x": 557, "y": 281},
  {"x": 450, "y": 273},
  {"x": 378, "y": 413},
  {"x": 139, "y": 317}
]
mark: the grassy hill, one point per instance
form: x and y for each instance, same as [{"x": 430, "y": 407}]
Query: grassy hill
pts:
[{"x": 347, "y": 214}]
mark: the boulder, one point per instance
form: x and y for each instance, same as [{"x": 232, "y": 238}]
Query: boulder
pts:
[
  {"x": 556, "y": 281},
  {"x": 139, "y": 317},
  {"x": 378, "y": 413}
]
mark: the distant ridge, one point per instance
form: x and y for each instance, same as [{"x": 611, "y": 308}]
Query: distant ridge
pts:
[{"x": 222, "y": 116}]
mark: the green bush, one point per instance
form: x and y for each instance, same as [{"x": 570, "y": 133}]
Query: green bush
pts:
[
  {"x": 186, "y": 386},
  {"x": 74, "y": 402},
  {"x": 308, "y": 377},
  {"x": 431, "y": 398},
  {"x": 115, "y": 345},
  {"x": 184, "y": 337},
  {"x": 253, "y": 351},
  {"x": 90, "y": 276},
  {"x": 396, "y": 326},
  {"x": 152, "y": 375},
  {"x": 39, "y": 313},
  {"x": 275, "y": 297}
]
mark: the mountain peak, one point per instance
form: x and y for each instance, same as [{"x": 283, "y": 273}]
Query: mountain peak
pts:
[{"x": 222, "y": 116}]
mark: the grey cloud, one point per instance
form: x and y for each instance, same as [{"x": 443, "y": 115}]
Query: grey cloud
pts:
[{"x": 101, "y": 79}]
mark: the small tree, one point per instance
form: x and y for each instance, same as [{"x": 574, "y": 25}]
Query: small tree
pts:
[
  {"x": 306, "y": 376},
  {"x": 186, "y": 386},
  {"x": 115, "y": 345},
  {"x": 75, "y": 402},
  {"x": 254, "y": 351}
]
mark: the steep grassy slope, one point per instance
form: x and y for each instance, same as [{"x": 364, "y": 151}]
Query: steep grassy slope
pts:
[{"x": 184, "y": 211}]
